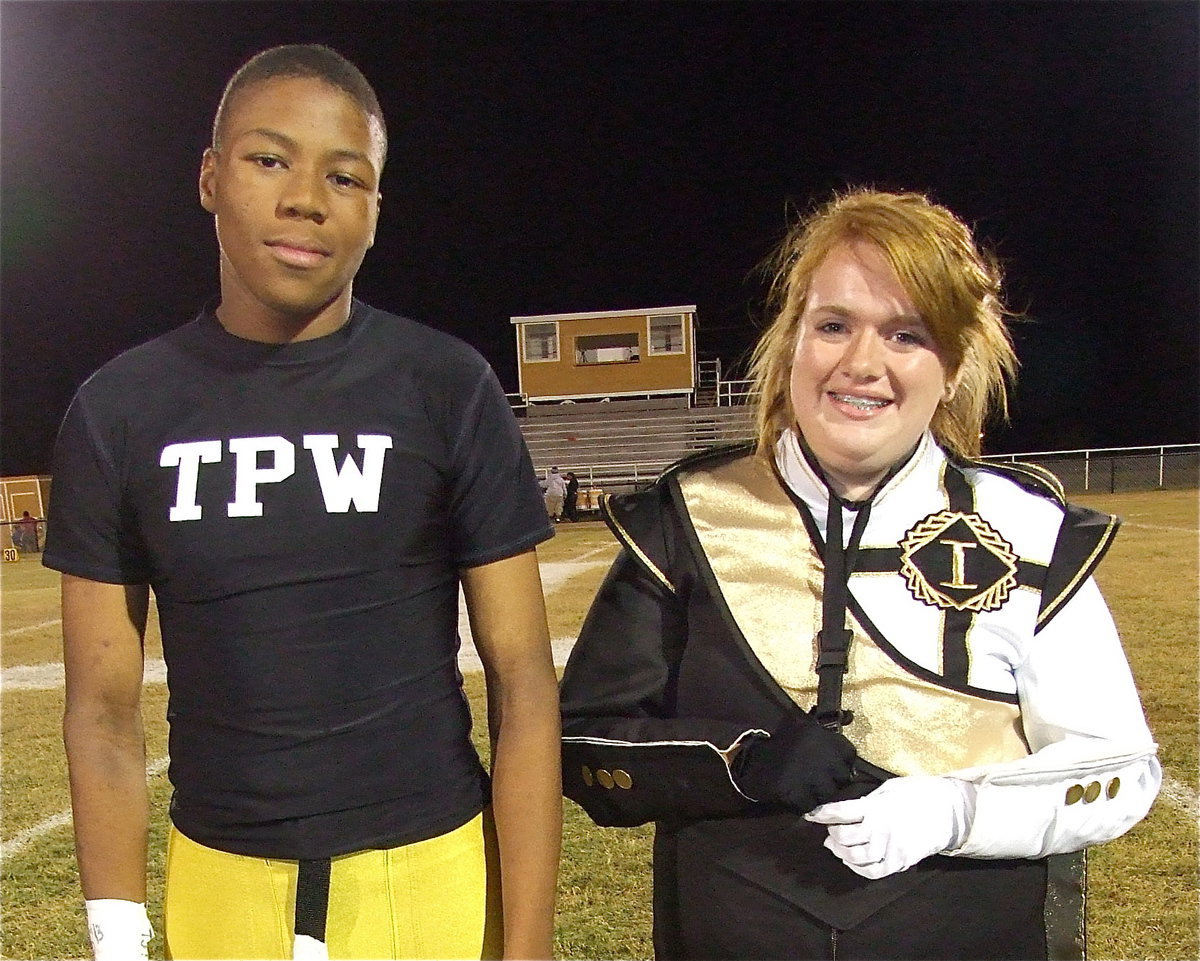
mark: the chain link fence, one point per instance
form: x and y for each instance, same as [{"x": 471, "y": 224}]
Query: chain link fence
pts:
[{"x": 1119, "y": 469}]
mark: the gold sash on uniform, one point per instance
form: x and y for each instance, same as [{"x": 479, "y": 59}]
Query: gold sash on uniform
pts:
[{"x": 770, "y": 576}]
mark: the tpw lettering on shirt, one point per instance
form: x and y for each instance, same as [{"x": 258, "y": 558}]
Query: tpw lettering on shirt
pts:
[
  {"x": 259, "y": 461},
  {"x": 349, "y": 485},
  {"x": 249, "y": 475},
  {"x": 188, "y": 458}
]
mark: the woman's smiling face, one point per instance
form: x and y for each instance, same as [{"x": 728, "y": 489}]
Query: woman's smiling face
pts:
[{"x": 866, "y": 373}]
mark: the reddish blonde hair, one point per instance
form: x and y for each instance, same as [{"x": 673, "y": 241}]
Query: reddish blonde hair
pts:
[{"x": 954, "y": 285}]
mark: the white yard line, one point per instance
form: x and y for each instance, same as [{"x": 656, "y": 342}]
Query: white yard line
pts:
[
  {"x": 1161, "y": 527},
  {"x": 1175, "y": 793},
  {"x": 47, "y": 676},
  {"x": 554, "y": 575},
  {"x": 22, "y": 839},
  {"x": 14, "y": 631},
  {"x": 602, "y": 549},
  {"x": 32, "y": 677},
  {"x": 1182, "y": 796}
]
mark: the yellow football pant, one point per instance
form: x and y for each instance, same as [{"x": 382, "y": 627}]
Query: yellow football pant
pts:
[{"x": 433, "y": 899}]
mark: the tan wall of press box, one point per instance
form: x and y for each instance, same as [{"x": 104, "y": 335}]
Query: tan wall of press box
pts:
[{"x": 565, "y": 377}]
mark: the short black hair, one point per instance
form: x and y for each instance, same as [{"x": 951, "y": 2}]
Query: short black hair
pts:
[{"x": 301, "y": 60}]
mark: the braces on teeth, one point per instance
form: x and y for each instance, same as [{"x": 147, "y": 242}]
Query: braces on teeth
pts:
[{"x": 862, "y": 403}]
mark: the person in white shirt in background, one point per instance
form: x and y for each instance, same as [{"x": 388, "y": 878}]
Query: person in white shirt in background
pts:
[{"x": 556, "y": 490}]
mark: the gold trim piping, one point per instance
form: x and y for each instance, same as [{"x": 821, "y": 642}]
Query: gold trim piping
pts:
[
  {"x": 1084, "y": 569},
  {"x": 909, "y": 467},
  {"x": 629, "y": 542},
  {"x": 1040, "y": 473}
]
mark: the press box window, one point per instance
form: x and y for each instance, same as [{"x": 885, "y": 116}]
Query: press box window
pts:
[
  {"x": 666, "y": 334},
  {"x": 540, "y": 342},
  {"x": 607, "y": 349}
]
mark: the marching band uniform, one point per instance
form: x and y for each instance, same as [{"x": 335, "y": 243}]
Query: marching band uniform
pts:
[{"x": 980, "y": 658}]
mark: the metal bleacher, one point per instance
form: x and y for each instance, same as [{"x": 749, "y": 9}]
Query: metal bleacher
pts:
[{"x": 612, "y": 447}]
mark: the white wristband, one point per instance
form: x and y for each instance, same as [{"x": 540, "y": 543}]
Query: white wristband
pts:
[{"x": 119, "y": 930}]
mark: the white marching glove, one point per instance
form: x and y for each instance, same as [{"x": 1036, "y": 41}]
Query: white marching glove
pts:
[
  {"x": 901, "y": 822},
  {"x": 120, "y": 930}
]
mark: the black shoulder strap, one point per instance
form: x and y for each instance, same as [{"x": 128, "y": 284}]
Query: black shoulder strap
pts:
[
  {"x": 709, "y": 457},
  {"x": 636, "y": 522},
  {"x": 1030, "y": 477},
  {"x": 1083, "y": 540},
  {"x": 636, "y": 519}
]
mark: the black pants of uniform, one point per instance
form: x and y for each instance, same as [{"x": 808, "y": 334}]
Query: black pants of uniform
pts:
[{"x": 773, "y": 895}]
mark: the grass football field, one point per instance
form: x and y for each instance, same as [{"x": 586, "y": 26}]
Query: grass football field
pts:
[{"x": 1142, "y": 888}]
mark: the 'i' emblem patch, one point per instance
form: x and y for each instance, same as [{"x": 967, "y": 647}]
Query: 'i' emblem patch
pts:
[{"x": 958, "y": 561}]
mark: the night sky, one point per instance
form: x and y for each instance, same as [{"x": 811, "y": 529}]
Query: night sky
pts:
[{"x": 555, "y": 157}]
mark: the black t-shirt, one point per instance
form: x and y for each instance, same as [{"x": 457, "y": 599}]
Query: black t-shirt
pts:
[{"x": 301, "y": 512}]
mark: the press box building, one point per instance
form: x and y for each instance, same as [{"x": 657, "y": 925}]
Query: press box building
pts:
[{"x": 613, "y": 354}]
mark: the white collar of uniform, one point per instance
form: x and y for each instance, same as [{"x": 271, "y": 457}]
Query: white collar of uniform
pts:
[{"x": 806, "y": 484}]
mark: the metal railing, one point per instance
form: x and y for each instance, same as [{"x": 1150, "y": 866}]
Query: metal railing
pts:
[
  {"x": 629, "y": 449},
  {"x": 1094, "y": 470},
  {"x": 651, "y": 439},
  {"x": 733, "y": 393},
  {"x": 624, "y": 476},
  {"x": 1117, "y": 469}
]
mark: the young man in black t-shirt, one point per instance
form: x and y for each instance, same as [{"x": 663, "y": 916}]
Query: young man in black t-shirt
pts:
[{"x": 304, "y": 481}]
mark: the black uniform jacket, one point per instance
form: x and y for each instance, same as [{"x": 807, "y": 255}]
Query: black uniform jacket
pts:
[{"x": 660, "y": 686}]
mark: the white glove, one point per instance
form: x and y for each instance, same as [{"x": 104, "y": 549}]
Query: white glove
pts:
[
  {"x": 901, "y": 822},
  {"x": 120, "y": 930}
]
